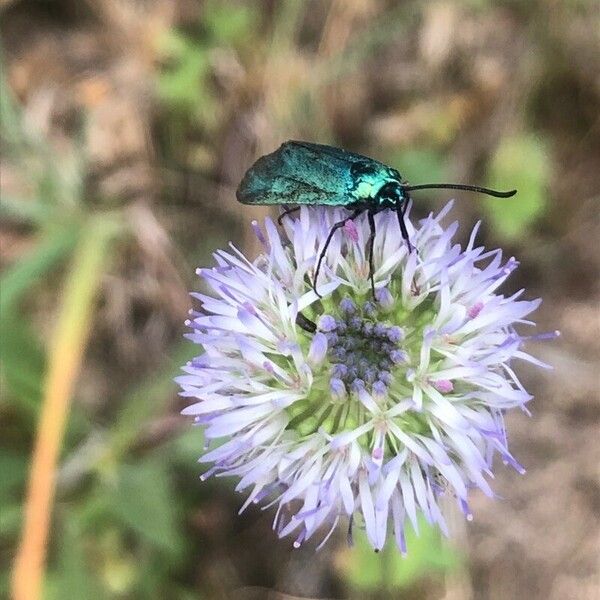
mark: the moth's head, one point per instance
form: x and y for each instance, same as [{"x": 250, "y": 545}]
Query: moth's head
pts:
[{"x": 391, "y": 194}]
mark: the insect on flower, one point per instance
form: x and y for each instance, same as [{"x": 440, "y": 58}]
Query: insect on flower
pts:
[{"x": 304, "y": 173}]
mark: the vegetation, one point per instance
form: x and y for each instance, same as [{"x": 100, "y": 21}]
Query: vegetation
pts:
[{"x": 125, "y": 128}]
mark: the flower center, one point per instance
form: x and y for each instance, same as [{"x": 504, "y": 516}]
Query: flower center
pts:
[{"x": 361, "y": 348}]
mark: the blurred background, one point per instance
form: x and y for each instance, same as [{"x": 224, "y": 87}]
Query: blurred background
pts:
[{"x": 126, "y": 126}]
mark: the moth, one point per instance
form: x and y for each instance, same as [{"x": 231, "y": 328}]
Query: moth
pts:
[{"x": 307, "y": 174}]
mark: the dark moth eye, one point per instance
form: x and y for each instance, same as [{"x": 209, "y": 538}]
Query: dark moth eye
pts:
[
  {"x": 361, "y": 168},
  {"x": 389, "y": 191}
]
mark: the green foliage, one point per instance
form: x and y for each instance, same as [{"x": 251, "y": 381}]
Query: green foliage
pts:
[
  {"x": 13, "y": 467},
  {"x": 145, "y": 401},
  {"x": 182, "y": 84},
  {"x": 228, "y": 23},
  {"x": 480, "y": 5},
  {"x": 420, "y": 165},
  {"x": 10, "y": 522},
  {"x": 26, "y": 211},
  {"x": 428, "y": 554},
  {"x": 144, "y": 501},
  {"x": 520, "y": 162},
  {"x": 55, "y": 244},
  {"x": 185, "y": 82},
  {"x": 74, "y": 578},
  {"x": 23, "y": 363}
]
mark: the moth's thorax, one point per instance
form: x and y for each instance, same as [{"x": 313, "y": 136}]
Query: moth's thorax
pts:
[
  {"x": 369, "y": 180},
  {"x": 366, "y": 188}
]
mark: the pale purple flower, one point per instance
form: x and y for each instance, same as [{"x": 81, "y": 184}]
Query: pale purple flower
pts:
[{"x": 389, "y": 405}]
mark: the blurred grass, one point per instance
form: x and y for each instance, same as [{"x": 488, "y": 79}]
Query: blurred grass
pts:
[{"x": 64, "y": 362}]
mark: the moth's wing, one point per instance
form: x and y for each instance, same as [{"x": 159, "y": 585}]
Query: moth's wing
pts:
[
  {"x": 298, "y": 173},
  {"x": 333, "y": 153}
]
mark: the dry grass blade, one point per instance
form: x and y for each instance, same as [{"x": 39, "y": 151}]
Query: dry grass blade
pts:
[{"x": 66, "y": 354}]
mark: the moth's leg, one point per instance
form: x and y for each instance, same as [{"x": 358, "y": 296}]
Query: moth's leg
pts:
[
  {"x": 371, "y": 243},
  {"x": 305, "y": 323},
  {"x": 400, "y": 212},
  {"x": 287, "y": 211},
  {"x": 335, "y": 227}
]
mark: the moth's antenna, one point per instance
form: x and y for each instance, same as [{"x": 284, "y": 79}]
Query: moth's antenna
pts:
[{"x": 460, "y": 186}]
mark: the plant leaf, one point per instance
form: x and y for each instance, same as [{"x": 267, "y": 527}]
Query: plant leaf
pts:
[
  {"x": 144, "y": 501},
  {"x": 520, "y": 162},
  {"x": 145, "y": 401},
  {"x": 23, "y": 363},
  {"x": 51, "y": 248},
  {"x": 73, "y": 577}
]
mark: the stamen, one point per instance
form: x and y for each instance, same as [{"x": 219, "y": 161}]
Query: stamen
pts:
[
  {"x": 444, "y": 386},
  {"x": 474, "y": 310},
  {"x": 351, "y": 230}
]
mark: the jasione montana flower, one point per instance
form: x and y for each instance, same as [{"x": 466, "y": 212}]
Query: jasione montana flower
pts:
[{"x": 392, "y": 403}]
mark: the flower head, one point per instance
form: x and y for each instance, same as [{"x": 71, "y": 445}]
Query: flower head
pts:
[{"x": 389, "y": 404}]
